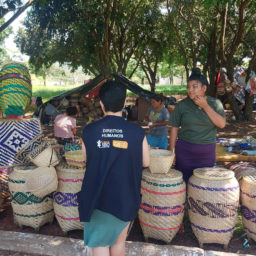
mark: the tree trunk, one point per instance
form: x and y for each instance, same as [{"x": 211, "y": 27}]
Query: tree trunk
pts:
[
  {"x": 248, "y": 106},
  {"x": 234, "y": 106}
]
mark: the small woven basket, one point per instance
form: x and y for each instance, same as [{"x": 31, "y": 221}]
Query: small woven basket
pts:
[
  {"x": 42, "y": 181},
  {"x": 160, "y": 160},
  {"x": 44, "y": 156},
  {"x": 213, "y": 198},
  {"x": 36, "y": 142},
  {"x": 248, "y": 207},
  {"x": 162, "y": 207},
  {"x": 75, "y": 158},
  {"x": 28, "y": 209},
  {"x": 65, "y": 199}
]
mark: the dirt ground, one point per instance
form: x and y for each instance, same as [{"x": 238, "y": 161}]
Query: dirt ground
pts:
[{"x": 233, "y": 129}]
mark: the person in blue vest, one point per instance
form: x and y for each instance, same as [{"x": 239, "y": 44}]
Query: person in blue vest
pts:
[{"x": 116, "y": 152}]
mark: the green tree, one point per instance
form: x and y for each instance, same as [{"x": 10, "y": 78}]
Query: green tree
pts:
[
  {"x": 101, "y": 36},
  {"x": 17, "y": 7}
]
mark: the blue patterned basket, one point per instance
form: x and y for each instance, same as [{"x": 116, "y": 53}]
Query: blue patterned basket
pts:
[{"x": 213, "y": 199}]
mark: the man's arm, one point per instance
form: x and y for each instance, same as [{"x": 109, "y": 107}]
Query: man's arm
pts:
[
  {"x": 84, "y": 151},
  {"x": 145, "y": 153}
]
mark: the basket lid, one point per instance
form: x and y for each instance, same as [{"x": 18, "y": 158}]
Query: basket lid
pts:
[
  {"x": 213, "y": 173},
  {"x": 172, "y": 175},
  {"x": 160, "y": 152},
  {"x": 250, "y": 178}
]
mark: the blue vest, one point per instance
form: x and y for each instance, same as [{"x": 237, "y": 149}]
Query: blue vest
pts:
[{"x": 113, "y": 169}]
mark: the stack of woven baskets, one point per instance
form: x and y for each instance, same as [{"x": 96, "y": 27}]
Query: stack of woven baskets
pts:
[
  {"x": 65, "y": 198},
  {"x": 31, "y": 195},
  {"x": 163, "y": 197},
  {"x": 88, "y": 107},
  {"x": 213, "y": 198},
  {"x": 31, "y": 187}
]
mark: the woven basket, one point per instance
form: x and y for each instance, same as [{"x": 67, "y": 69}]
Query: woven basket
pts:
[
  {"x": 5, "y": 193},
  {"x": 44, "y": 156},
  {"x": 28, "y": 209},
  {"x": 65, "y": 198},
  {"x": 15, "y": 83},
  {"x": 242, "y": 169},
  {"x": 248, "y": 207},
  {"x": 32, "y": 145},
  {"x": 160, "y": 160},
  {"x": 42, "y": 181},
  {"x": 213, "y": 198},
  {"x": 75, "y": 158},
  {"x": 162, "y": 208}
]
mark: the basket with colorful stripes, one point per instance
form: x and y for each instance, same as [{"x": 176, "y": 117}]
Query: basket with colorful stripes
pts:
[
  {"x": 213, "y": 199},
  {"x": 15, "y": 88},
  {"x": 75, "y": 158},
  {"x": 162, "y": 207},
  {"x": 28, "y": 209},
  {"x": 65, "y": 198},
  {"x": 248, "y": 205}
]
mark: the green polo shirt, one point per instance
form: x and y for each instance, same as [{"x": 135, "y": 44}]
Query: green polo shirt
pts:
[{"x": 195, "y": 126}]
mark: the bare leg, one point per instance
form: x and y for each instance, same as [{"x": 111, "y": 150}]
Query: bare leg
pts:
[
  {"x": 100, "y": 251},
  {"x": 118, "y": 249}
]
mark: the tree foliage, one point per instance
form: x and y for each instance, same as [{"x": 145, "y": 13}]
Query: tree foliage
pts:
[{"x": 100, "y": 36}]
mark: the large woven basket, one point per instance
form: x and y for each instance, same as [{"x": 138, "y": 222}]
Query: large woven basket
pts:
[
  {"x": 43, "y": 156},
  {"x": 160, "y": 160},
  {"x": 28, "y": 209},
  {"x": 162, "y": 208},
  {"x": 213, "y": 198},
  {"x": 15, "y": 84},
  {"x": 42, "y": 181},
  {"x": 75, "y": 158},
  {"x": 248, "y": 207},
  {"x": 65, "y": 199}
]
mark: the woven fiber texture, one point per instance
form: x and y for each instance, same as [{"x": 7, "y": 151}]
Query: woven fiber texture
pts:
[
  {"x": 160, "y": 160},
  {"x": 28, "y": 209},
  {"x": 15, "y": 88},
  {"x": 65, "y": 199},
  {"x": 22, "y": 155},
  {"x": 213, "y": 199},
  {"x": 15, "y": 134},
  {"x": 75, "y": 158},
  {"x": 162, "y": 207},
  {"x": 5, "y": 193},
  {"x": 42, "y": 181},
  {"x": 242, "y": 169},
  {"x": 44, "y": 155},
  {"x": 248, "y": 205}
]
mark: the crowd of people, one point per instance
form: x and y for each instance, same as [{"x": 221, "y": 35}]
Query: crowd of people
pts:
[{"x": 116, "y": 151}]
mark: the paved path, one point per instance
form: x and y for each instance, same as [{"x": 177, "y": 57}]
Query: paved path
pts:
[{"x": 24, "y": 244}]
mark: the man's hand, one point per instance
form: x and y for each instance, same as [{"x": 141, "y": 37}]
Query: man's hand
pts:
[{"x": 200, "y": 101}]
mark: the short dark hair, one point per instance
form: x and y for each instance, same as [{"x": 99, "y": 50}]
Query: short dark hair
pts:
[
  {"x": 71, "y": 111},
  {"x": 158, "y": 97},
  {"x": 197, "y": 76},
  {"x": 112, "y": 94}
]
